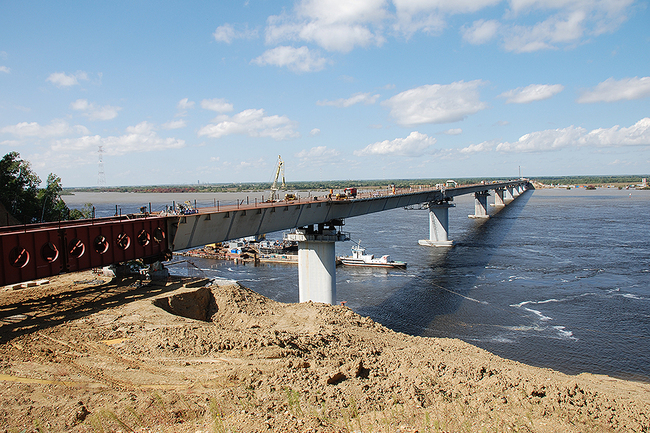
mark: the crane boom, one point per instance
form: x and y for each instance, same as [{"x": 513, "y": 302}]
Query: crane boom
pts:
[{"x": 274, "y": 188}]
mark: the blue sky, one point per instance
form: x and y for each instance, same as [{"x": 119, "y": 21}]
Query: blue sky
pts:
[{"x": 212, "y": 92}]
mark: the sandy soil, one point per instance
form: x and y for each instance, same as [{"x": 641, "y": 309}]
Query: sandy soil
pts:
[{"x": 90, "y": 354}]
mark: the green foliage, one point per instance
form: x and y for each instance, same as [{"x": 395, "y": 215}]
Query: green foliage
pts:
[
  {"x": 85, "y": 212},
  {"x": 53, "y": 208},
  {"x": 19, "y": 188},
  {"x": 21, "y": 197},
  {"x": 325, "y": 185},
  {"x": 590, "y": 180},
  {"x": 293, "y": 401}
]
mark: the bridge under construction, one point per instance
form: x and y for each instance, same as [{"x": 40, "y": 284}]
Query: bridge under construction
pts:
[{"x": 37, "y": 251}]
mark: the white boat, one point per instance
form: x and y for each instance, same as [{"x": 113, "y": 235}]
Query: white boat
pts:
[{"x": 360, "y": 258}]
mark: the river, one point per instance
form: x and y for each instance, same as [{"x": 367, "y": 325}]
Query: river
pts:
[{"x": 558, "y": 278}]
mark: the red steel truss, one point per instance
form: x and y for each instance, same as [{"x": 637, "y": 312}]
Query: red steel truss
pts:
[{"x": 41, "y": 250}]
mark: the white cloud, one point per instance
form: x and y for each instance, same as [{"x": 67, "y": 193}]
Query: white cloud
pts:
[
  {"x": 185, "y": 104},
  {"x": 566, "y": 22},
  {"x": 318, "y": 155},
  {"x": 217, "y": 104},
  {"x": 335, "y": 25},
  {"x": 533, "y": 92},
  {"x": 541, "y": 141},
  {"x": 480, "y": 32},
  {"x": 636, "y": 135},
  {"x": 314, "y": 132},
  {"x": 609, "y": 7},
  {"x": 526, "y": 26},
  {"x": 139, "y": 138},
  {"x": 10, "y": 143},
  {"x": 182, "y": 107},
  {"x": 61, "y": 79},
  {"x": 612, "y": 90},
  {"x": 251, "y": 122},
  {"x": 174, "y": 124},
  {"x": 5, "y": 69},
  {"x": 93, "y": 112},
  {"x": 429, "y": 15},
  {"x": 227, "y": 33},
  {"x": 416, "y": 144},
  {"x": 436, "y": 103},
  {"x": 413, "y": 7},
  {"x": 453, "y": 131},
  {"x": 357, "y": 98},
  {"x": 54, "y": 129},
  {"x": 296, "y": 59},
  {"x": 475, "y": 148},
  {"x": 555, "y": 139},
  {"x": 548, "y": 34}
]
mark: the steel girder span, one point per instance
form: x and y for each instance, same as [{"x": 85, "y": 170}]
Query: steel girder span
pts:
[
  {"x": 190, "y": 231},
  {"x": 42, "y": 250},
  {"x": 203, "y": 228}
]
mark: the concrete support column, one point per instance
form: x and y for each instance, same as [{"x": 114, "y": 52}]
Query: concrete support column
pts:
[
  {"x": 498, "y": 198},
  {"x": 316, "y": 264},
  {"x": 438, "y": 225},
  {"x": 509, "y": 193},
  {"x": 317, "y": 271},
  {"x": 480, "y": 205}
]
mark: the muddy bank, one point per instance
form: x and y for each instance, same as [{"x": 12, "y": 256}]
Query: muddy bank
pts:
[{"x": 89, "y": 355}]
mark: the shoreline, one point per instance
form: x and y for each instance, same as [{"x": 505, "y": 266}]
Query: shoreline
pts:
[{"x": 179, "y": 356}]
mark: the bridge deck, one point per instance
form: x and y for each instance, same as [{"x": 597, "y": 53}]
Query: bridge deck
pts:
[
  {"x": 224, "y": 223},
  {"x": 41, "y": 250}
]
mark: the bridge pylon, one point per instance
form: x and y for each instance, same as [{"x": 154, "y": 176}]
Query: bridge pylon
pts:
[
  {"x": 499, "y": 200},
  {"x": 480, "y": 205},
  {"x": 317, "y": 261},
  {"x": 438, "y": 224}
]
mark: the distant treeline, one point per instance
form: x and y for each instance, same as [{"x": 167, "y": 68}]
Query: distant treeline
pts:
[
  {"x": 591, "y": 180},
  {"x": 262, "y": 186},
  {"x": 340, "y": 184}
]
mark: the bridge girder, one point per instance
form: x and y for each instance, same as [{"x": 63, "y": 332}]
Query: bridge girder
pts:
[{"x": 42, "y": 250}]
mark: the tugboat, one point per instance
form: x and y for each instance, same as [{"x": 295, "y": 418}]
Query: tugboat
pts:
[{"x": 360, "y": 258}]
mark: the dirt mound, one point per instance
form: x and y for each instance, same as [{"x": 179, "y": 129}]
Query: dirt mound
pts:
[{"x": 225, "y": 358}]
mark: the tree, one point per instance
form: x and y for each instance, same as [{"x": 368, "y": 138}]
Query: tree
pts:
[
  {"x": 85, "y": 212},
  {"x": 21, "y": 197},
  {"x": 19, "y": 188},
  {"x": 53, "y": 208}
]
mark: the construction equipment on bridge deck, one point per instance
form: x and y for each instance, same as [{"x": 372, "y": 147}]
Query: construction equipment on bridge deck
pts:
[{"x": 274, "y": 186}]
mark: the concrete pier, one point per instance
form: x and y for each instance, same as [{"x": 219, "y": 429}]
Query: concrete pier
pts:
[
  {"x": 498, "y": 198},
  {"x": 317, "y": 263},
  {"x": 509, "y": 193},
  {"x": 515, "y": 192},
  {"x": 480, "y": 205},
  {"x": 438, "y": 225}
]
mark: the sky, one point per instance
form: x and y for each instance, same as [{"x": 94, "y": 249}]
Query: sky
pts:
[{"x": 162, "y": 92}]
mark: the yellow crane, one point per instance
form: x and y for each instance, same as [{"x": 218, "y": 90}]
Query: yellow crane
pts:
[{"x": 274, "y": 187}]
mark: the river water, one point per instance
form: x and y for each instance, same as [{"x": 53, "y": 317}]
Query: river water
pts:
[{"x": 558, "y": 278}]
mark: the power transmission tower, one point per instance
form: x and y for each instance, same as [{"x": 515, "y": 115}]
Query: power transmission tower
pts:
[{"x": 101, "y": 177}]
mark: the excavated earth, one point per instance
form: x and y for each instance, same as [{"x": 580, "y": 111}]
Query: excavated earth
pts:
[{"x": 89, "y": 354}]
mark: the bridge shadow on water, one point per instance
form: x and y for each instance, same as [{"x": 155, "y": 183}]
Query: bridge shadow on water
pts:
[{"x": 442, "y": 288}]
